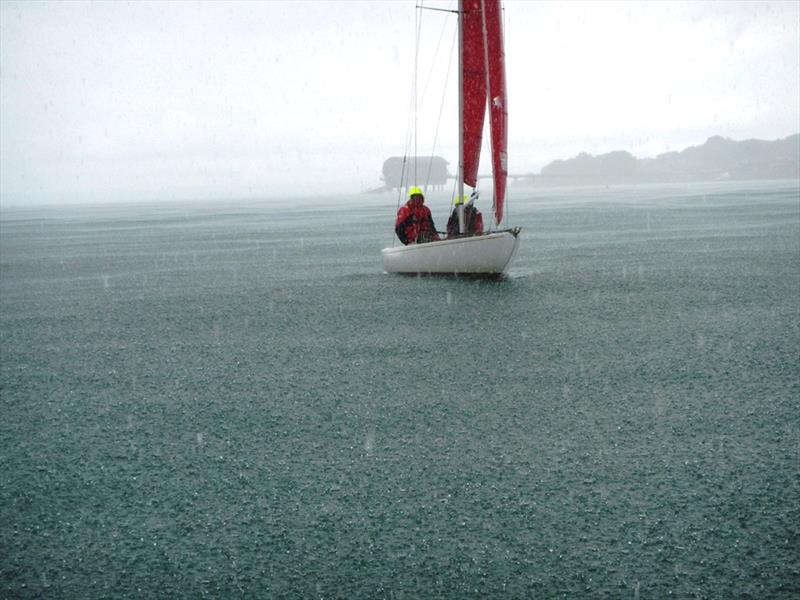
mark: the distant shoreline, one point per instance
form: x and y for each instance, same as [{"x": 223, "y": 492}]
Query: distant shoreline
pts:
[{"x": 718, "y": 159}]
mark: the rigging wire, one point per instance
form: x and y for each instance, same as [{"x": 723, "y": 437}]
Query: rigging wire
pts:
[
  {"x": 507, "y": 205},
  {"x": 441, "y": 107},
  {"x": 411, "y": 123},
  {"x": 453, "y": 193},
  {"x": 433, "y": 60},
  {"x": 418, "y": 18},
  {"x": 419, "y": 100}
]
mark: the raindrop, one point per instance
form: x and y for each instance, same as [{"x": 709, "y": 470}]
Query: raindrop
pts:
[
  {"x": 701, "y": 341},
  {"x": 369, "y": 441}
]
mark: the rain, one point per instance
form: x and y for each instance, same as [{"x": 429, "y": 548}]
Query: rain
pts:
[{"x": 212, "y": 387}]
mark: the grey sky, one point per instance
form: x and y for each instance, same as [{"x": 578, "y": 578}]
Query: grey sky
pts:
[{"x": 111, "y": 100}]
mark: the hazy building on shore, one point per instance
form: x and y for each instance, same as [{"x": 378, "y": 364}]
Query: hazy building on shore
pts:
[{"x": 425, "y": 171}]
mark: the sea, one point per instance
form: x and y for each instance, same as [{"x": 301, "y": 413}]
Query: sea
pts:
[{"x": 232, "y": 400}]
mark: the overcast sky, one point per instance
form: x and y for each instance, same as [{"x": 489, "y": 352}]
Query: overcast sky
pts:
[{"x": 148, "y": 101}]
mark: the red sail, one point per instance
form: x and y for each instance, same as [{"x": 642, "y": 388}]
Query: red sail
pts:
[
  {"x": 498, "y": 110},
  {"x": 473, "y": 82}
]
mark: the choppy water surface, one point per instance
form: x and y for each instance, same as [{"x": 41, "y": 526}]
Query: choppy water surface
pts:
[{"x": 233, "y": 400}]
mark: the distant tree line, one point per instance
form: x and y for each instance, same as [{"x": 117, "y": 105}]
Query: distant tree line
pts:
[{"x": 718, "y": 159}]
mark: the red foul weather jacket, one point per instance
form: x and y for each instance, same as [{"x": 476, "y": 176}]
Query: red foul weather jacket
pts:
[
  {"x": 473, "y": 221},
  {"x": 415, "y": 224}
]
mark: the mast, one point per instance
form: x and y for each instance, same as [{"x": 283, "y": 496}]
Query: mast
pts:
[
  {"x": 459, "y": 203},
  {"x": 485, "y": 38}
]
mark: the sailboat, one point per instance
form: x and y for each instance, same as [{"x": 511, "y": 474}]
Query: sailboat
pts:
[{"x": 482, "y": 83}]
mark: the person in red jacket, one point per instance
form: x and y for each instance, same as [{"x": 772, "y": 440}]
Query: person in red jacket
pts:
[
  {"x": 473, "y": 219},
  {"x": 414, "y": 223}
]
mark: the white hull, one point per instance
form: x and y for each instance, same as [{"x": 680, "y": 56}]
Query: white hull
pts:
[{"x": 479, "y": 255}]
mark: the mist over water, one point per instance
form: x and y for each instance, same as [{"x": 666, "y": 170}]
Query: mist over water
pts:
[{"x": 204, "y": 400}]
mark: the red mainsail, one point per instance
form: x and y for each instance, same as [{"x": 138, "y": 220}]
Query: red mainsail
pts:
[
  {"x": 473, "y": 82},
  {"x": 498, "y": 109},
  {"x": 483, "y": 64}
]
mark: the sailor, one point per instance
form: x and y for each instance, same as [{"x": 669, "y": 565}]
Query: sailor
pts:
[
  {"x": 473, "y": 219},
  {"x": 414, "y": 224}
]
